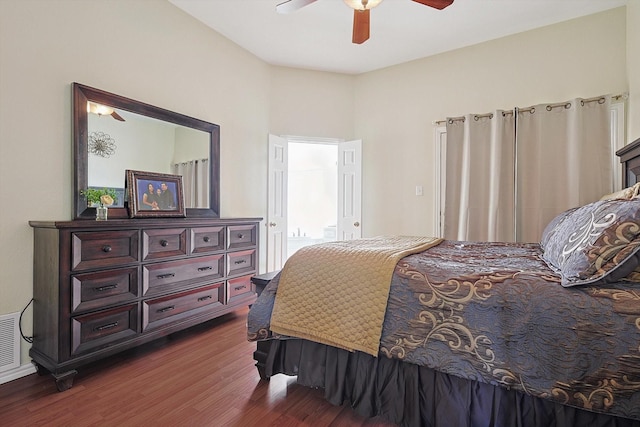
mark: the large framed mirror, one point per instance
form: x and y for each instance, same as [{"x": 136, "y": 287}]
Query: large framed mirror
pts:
[{"x": 112, "y": 133}]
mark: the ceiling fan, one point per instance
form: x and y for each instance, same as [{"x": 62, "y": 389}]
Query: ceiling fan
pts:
[{"x": 361, "y": 10}]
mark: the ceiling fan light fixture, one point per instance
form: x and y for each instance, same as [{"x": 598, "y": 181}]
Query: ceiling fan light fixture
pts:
[
  {"x": 103, "y": 110},
  {"x": 362, "y": 4},
  {"x": 99, "y": 109}
]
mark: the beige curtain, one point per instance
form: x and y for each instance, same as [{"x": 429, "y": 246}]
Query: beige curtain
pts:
[
  {"x": 479, "y": 195},
  {"x": 563, "y": 161},
  {"x": 195, "y": 179}
]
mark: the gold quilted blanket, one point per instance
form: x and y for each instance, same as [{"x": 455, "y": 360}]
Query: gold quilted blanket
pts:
[{"x": 336, "y": 293}]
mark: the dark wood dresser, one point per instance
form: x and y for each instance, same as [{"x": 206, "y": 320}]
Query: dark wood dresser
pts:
[{"x": 101, "y": 287}]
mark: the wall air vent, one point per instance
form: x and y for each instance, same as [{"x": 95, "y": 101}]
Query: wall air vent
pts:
[{"x": 9, "y": 342}]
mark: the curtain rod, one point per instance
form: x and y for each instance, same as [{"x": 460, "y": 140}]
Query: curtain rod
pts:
[{"x": 599, "y": 99}]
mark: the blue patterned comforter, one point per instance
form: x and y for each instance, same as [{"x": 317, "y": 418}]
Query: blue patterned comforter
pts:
[{"x": 495, "y": 313}]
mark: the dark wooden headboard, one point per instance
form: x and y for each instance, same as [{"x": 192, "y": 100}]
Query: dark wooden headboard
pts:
[{"x": 630, "y": 159}]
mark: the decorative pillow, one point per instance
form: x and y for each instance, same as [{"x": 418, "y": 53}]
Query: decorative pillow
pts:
[
  {"x": 595, "y": 244},
  {"x": 627, "y": 193},
  {"x": 552, "y": 227}
]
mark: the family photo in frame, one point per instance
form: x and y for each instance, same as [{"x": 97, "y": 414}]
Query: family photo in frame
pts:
[{"x": 154, "y": 194}]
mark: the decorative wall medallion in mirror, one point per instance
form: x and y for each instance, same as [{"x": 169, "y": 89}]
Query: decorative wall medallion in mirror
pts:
[{"x": 112, "y": 133}]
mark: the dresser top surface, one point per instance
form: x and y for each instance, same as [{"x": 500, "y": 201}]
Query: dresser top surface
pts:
[{"x": 142, "y": 223}]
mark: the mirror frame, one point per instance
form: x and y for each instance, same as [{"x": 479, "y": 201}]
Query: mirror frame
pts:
[{"x": 81, "y": 95}]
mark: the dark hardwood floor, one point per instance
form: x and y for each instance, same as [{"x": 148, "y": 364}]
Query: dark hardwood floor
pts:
[{"x": 204, "y": 376}]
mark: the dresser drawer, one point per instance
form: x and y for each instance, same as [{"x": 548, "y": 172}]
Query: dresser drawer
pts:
[
  {"x": 242, "y": 236},
  {"x": 96, "y": 249},
  {"x": 170, "y": 276},
  {"x": 157, "y": 312},
  {"x": 241, "y": 262},
  {"x": 239, "y": 288},
  {"x": 207, "y": 239},
  {"x": 92, "y": 331},
  {"x": 90, "y": 291},
  {"x": 163, "y": 243}
]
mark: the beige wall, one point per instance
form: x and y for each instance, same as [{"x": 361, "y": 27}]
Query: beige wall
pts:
[
  {"x": 302, "y": 101},
  {"x": 396, "y": 107},
  {"x": 153, "y": 52}
]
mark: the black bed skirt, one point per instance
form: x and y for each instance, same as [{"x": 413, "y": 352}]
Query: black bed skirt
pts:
[{"x": 410, "y": 395}]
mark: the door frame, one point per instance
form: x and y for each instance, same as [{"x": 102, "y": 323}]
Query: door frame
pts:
[{"x": 276, "y": 264}]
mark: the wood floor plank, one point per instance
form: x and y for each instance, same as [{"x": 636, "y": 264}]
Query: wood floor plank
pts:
[{"x": 204, "y": 376}]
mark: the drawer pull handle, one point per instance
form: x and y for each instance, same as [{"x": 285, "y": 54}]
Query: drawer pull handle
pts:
[
  {"x": 105, "y": 288},
  {"x": 164, "y": 243},
  {"x": 106, "y": 248},
  {"x": 240, "y": 261},
  {"x": 107, "y": 326},
  {"x": 206, "y": 239},
  {"x": 237, "y": 288},
  {"x": 205, "y": 268},
  {"x": 165, "y": 276},
  {"x": 204, "y": 298},
  {"x": 240, "y": 235},
  {"x": 165, "y": 309}
]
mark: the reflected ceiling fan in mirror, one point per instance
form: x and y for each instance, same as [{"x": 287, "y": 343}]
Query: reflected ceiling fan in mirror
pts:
[{"x": 361, "y": 12}]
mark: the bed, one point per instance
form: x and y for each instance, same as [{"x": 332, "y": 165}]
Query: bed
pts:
[{"x": 485, "y": 334}]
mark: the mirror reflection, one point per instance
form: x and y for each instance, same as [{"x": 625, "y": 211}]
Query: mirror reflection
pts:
[
  {"x": 119, "y": 140},
  {"x": 112, "y": 133}
]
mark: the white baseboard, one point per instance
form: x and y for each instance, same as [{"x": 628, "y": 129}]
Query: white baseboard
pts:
[{"x": 19, "y": 372}]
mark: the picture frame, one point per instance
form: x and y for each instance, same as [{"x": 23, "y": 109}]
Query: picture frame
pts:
[{"x": 153, "y": 195}]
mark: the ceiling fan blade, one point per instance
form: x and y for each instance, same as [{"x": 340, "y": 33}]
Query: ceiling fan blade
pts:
[
  {"x": 117, "y": 116},
  {"x": 360, "y": 26},
  {"x": 292, "y": 5},
  {"x": 438, "y": 4}
]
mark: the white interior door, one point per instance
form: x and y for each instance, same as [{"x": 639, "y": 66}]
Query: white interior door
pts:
[
  {"x": 350, "y": 190},
  {"x": 277, "y": 203}
]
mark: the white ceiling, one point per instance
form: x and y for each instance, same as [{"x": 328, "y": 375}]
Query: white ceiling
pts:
[{"x": 318, "y": 36}]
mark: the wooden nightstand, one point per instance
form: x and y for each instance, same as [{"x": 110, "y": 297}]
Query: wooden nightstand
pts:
[{"x": 262, "y": 280}]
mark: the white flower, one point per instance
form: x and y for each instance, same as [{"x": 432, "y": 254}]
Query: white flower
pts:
[{"x": 106, "y": 200}]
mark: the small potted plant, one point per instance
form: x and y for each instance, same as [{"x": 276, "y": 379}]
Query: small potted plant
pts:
[{"x": 101, "y": 199}]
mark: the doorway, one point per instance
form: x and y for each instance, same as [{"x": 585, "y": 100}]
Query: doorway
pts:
[{"x": 314, "y": 194}]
